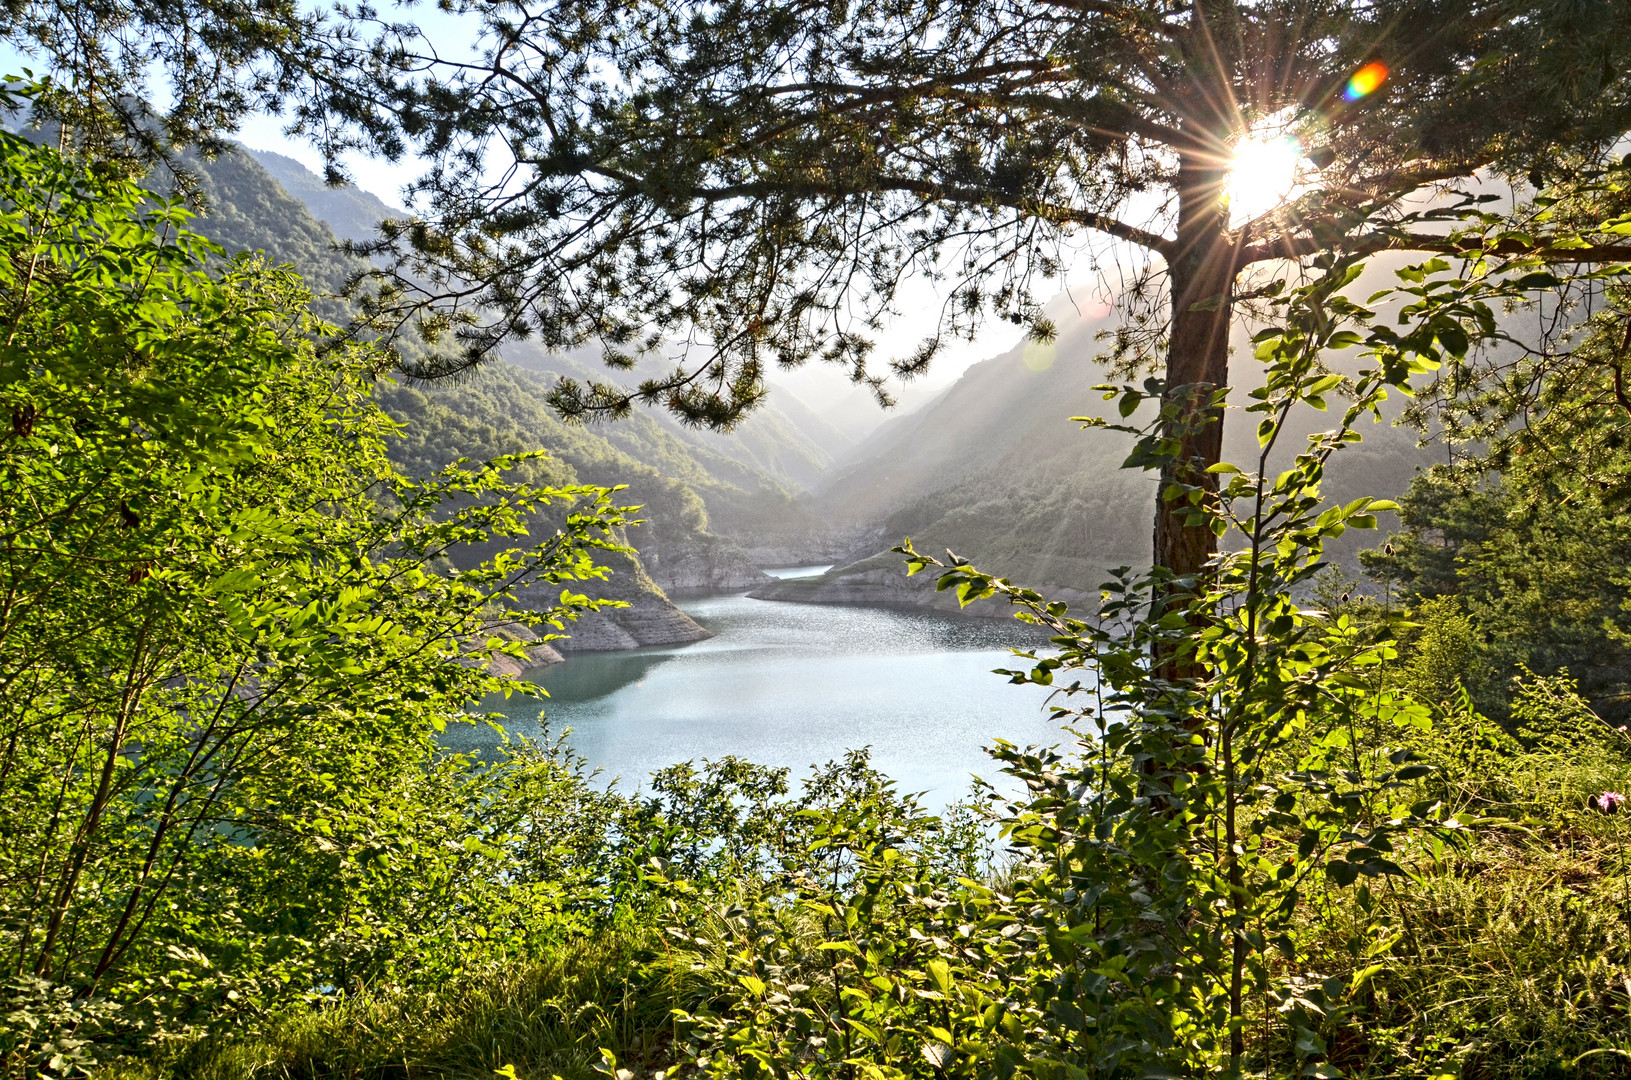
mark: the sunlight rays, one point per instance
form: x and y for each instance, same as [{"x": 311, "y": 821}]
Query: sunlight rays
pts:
[{"x": 1265, "y": 172}]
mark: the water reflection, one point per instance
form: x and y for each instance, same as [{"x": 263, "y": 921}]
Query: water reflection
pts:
[
  {"x": 795, "y": 685},
  {"x": 597, "y": 675}
]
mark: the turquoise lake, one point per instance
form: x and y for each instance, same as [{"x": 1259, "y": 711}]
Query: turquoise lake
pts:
[{"x": 796, "y": 685}]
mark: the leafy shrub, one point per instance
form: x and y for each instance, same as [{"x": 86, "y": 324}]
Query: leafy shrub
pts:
[{"x": 229, "y": 637}]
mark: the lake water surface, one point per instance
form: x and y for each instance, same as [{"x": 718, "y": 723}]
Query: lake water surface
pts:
[{"x": 796, "y": 685}]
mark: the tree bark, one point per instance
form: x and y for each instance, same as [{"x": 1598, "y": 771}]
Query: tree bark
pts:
[{"x": 1201, "y": 273}]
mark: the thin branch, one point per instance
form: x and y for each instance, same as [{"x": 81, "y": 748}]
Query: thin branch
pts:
[{"x": 1296, "y": 247}]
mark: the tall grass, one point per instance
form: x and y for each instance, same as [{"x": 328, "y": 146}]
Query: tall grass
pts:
[
  {"x": 546, "y": 1017},
  {"x": 1513, "y": 951}
]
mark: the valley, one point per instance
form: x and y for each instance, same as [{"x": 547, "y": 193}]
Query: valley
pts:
[
  {"x": 472, "y": 637},
  {"x": 981, "y": 468}
]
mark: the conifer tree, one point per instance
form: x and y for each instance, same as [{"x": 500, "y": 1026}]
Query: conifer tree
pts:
[
  {"x": 764, "y": 173},
  {"x": 133, "y": 81}
]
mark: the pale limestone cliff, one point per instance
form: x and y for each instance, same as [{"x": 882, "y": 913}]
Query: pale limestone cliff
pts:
[
  {"x": 538, "y": 653},
  {"x": 704, "y": 564},
  {"x": 648, "y": 617},
  {"x": 648, "y": 620}
]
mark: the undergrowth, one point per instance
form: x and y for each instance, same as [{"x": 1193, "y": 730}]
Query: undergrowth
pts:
[
  {"x": 1509, "y": 958},
  {"x": 547, "y": 1016}
]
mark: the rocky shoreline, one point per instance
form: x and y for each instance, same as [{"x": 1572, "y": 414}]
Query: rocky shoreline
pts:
[
  {"x": 650, "y": 617},
  {"x": 881, "y": 579},
  {"x": 719, "y": 564}
]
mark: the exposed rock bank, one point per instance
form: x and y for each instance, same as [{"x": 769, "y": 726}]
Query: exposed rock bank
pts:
[
  {"x": 649, "y": 619},
  {"x": 717, "y": 564},
  {"x": 882, "y": 579},
  {"x": 538, "y": 653},
  {"x": 810, "y": 547}
]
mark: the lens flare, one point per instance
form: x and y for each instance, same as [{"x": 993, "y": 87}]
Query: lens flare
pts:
[{"x": 1364, "y": 82}]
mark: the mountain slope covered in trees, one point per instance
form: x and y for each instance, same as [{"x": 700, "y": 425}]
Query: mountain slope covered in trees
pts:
[
  {"x": 788, "y": 443},
  {"x": 997, "y": 470},
  {"x": 500, "y": 411}
]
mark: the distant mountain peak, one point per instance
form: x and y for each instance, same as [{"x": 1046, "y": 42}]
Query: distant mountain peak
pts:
[{"x": 353, "y": 214}]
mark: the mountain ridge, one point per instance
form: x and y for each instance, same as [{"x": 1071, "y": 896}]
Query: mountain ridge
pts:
[
  {"x": 500, "y": 410},
  {"x": 992, "y": 467}
]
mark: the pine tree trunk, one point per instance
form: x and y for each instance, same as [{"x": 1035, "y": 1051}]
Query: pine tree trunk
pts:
[{"x": 1201, "y": 275}]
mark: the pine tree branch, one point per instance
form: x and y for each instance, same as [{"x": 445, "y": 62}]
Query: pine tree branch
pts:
[
  {"x": 929, "y": 189},
  {"x": 1115, "y": 11},
  {"x": 1297, "y": 247}
]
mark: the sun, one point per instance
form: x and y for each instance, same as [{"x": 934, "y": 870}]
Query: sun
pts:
[{"x": 1264, "y": 171}]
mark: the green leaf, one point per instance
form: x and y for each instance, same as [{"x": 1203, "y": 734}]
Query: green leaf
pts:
[
  {"x": 1342, "y": 872},
  {"x": 865, "y": 1030}
]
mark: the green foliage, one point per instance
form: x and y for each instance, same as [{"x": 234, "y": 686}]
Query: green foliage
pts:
[
  {"x": 1244, "y": 754},
  {"x": 1536, "y": 566},
  {"x": 548, "y": 1015},
  {"x": 1441, "y": 653},
  {"x": 1511, "y": 939},
  {"x": 1285, "y": 844},
  {"x": 1527, "y": 531},
  {"x": 707, "y": 841},
  {"x": 230, "y": 636},
  {"x": 1502, "y": 955},
  {"x": 1251, "y": 756}
]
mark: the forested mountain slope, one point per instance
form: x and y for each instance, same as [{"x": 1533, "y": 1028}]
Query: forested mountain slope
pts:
[
  {"x": 251, "y": 208},
  {"x": 748, "y": 478},
  {"x": 994, "y": 468},
  {"x": 500, "y": 410},
  {"x": 351, "y": 212},
  {"x": 997, "y": 471},
  {"x": 784, "y": 443}
]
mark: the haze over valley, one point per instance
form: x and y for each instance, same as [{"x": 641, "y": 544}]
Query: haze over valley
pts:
[{"x": 990, "y": 466}]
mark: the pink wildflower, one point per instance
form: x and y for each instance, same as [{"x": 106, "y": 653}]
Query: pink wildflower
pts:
[{"x": 1608, "y": 802}]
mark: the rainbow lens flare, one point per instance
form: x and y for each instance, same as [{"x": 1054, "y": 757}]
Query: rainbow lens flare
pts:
[{"x": 1365, "y": 81}]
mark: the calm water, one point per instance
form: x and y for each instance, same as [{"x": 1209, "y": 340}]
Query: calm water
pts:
[{"x": 798, "y": 684}]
